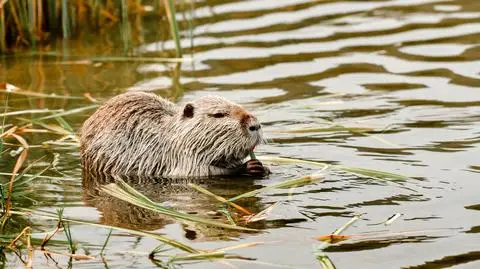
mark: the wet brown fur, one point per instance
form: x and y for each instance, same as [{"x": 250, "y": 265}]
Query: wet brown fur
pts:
[{"x": 143, "y": 134}]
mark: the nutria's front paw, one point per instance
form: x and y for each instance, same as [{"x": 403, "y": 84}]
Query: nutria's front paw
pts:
[{"x": 255, "y": 168}]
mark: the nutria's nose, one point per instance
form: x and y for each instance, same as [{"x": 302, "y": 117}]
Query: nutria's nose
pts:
[{"x": 254, "y": 127}]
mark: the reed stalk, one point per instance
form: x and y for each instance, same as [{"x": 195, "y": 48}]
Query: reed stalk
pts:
[
  {"x": 171, "y": 15},
  {"x": 65, "y": 24},
  {"x": 35, "y": 22},
  {"x": 3, "y": 31}
]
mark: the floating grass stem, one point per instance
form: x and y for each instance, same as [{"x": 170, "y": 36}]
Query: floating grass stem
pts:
[
  {"x": 286, "y": 184},
  {"x": 325, "y": 262},
  {"x": 322, "y": 258},
  {"x": 106, "y": 241},
  {"x": 197, "y": 257},
  {"x": 364, "y": 172},
  {"x": 219, "y": 198},
  {"x": 339, "y": 231},
  {"x": 375, "y": 174},
  {"x": 336, "y": 128}
]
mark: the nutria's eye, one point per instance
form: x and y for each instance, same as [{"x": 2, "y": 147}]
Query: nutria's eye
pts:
[
  {"x": 188, "y": 111},
  {"x": 218, "y": 115}
]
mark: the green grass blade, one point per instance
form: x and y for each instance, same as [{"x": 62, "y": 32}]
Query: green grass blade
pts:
[
  {"x": 21, "y": 181},
  {"x": 41, "y": 95},
  {"x": 375, "y": 174},
  {"x": 70, "y": 112},
  {"x": 39, "y": 176},
  {"x": 339, "y": 231},
  {"x": 370, "y": 173},
  {"x": 57, "y": 129},
  {"x": 65, "y": 125},
  {"x": 30, "y": 111},
  {"x": 325, "y": 262},
  {"x": 106, "y": 242},
  {"x": 198, "y": 257},
  {"x": 292, "y": 161},
  {"x": 347, "y": 225},
  {"x": 286, "y": 184},
  {"x": 335, "y": 128}
]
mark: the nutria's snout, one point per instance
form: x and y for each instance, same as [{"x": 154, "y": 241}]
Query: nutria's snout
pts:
[
  {"x": 254, "y": 131},
  {"x": 254, "y": 127}
]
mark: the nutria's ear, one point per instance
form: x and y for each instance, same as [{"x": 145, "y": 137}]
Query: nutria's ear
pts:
[{"x": 188, "y": 111}]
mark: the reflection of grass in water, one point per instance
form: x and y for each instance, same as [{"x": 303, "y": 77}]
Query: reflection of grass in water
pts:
[
  {"x": 123, "y": 191},
  {"x": 26, "y": 23}
]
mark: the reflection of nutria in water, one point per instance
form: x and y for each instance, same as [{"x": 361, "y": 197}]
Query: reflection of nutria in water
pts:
[
  {"x": 143, "y": 134},
  {"x": 174, "y": 194}
]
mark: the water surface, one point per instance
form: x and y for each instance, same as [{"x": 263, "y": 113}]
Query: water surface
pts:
[{"x": 407, "y": 69}]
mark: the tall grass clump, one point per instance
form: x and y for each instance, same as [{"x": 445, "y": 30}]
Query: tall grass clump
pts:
[{"x": 33, "y": 22}]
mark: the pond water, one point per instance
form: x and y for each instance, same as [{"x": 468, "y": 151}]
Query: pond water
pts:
[{"x": 407, "y": 71}]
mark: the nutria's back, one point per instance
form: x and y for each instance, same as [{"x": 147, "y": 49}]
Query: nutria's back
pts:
[{"x": 140, "y": 133}]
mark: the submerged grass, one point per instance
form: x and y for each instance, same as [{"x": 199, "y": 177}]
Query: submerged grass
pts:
[{"x": 123, "y": 191}]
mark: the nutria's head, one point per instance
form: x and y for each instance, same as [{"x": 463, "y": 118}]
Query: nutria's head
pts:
[{"x": 217, "y": 131}]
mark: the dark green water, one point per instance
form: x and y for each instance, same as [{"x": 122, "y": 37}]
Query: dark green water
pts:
[{"x": 408, "y": 69}]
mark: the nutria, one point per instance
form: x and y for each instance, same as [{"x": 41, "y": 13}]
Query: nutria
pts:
[{"x": 138, "y": 133}]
